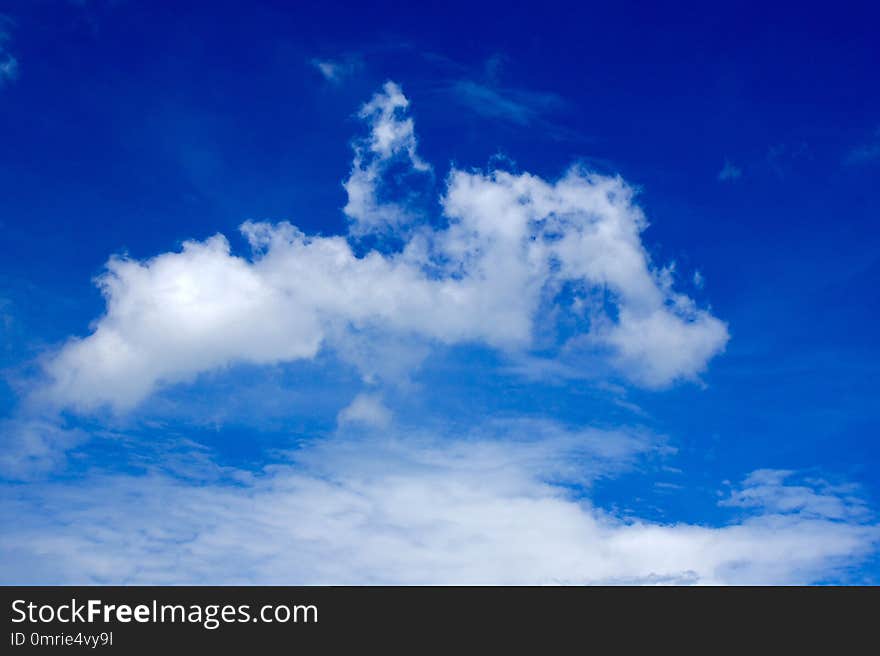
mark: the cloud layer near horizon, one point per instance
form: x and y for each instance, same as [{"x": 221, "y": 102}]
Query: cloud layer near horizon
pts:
[
  {"x": 508, "y": 503},
  {"x": 513, "y": 252}
]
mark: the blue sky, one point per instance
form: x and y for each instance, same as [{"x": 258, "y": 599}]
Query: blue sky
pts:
[{"x": 344, "y": 294}]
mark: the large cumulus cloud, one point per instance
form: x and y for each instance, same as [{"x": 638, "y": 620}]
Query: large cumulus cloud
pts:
[{"x": 510, "y": 251}]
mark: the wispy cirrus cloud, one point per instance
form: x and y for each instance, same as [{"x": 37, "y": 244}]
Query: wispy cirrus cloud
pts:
[
  {"x": 32, "y": 446},
  {"x": 518, "y": 106},
  {"x": 339, "y": 69},
  {"x": 865, "y": 152},
  {"x": 782, "y": 491},
  {"x": 482, "y": 91},
  {"x": 729, "y": 172},
  {"x": 9, "y": 67},
  {"x": 782, "y": 158}
]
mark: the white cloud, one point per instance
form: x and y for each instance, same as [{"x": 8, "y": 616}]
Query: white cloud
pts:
[
  {"x": 500, "y": 506},
  {"x": 328, "y": 69},
  {"x": 366, "y": 409},
  {"x": 177, "y": 315},
  {"x": 520, "y": 107},
  {"x": 336, "y": 70},
  {"x": 866, "y": 152},
  {"x": 729, "y": 172},
  {"x": 8, "y": 63},
  {"x": 767, "y": 489},
  {"x": 31, "y": 446},
  {"x": 391, "y": 141},
  {"x": 8, "y": 68},
  {"x": 659, "y": 347},
  {"x": 511, "y": 244},
  {"x": 781, "y": 158}
]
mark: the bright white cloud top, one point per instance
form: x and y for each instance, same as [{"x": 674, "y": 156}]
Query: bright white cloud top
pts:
[{"x": 512, "y": 251}]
